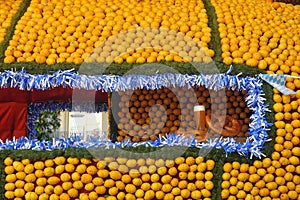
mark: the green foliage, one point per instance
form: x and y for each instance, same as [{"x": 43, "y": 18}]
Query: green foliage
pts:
[{"x": 47, "y": 124}]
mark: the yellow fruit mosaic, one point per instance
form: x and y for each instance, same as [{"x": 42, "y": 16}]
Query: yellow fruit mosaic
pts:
[
  {"x": 7, "y": 11},
  {"x": 259, "y": 33},
  {"x": 277, "y": 177},
  {"x": 57, "y": 31},
  {"x": 109, "y": 178}
]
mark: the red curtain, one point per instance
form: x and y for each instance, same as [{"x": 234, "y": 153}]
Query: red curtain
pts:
[{"x": 13, "y": 118}]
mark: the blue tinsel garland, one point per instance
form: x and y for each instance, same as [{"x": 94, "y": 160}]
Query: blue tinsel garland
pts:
[{"x": 255, "y": 100}]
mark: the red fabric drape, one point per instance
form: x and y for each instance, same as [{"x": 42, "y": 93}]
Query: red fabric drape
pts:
[
  {"x": 14, "y": 95},
  {"x": 13, "y": 117}
]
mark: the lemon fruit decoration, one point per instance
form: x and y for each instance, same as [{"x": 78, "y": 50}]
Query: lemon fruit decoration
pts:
[
  {"x": 265, "y": 35},
  {"x": 8, "y": 10},
  {"x": 256, "y": 33},
  {"x": 74, "y": 31}
]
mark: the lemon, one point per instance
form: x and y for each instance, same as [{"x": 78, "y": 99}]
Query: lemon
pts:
[
  {"x": 280, "y": 180},
  {"x": 78, "y": 185},
  {"x": 59, "y": 160},
  {"x": 155, "y": 178},
  {"x": 73, "y": 192},
  {"x": 91, "y": 170},
  {"x": 248, "y": 186},
  {"x": 49, "y": 163},
  {"x": 19, "y": 184},
  {"x": 293, "y": 195},
  {"x": 83, "y": 196},
  {"x": 9, "y": 186},
  {"x": 113, "y": 165},
  {"x": 64, "y": 196},
  {"x": 149, "y": 195},
  {"x": 172, "y": 171},
  {"x": 69, "y": 168},
  {"x": 225, "y": 194},
  {"x": 241, "y": 194},
  {"x": 81, "y": 168},
  {"x": 53, "y": 180},
  {"x": 145, "y": 186},
  {"x": 278, "y": 107},
  {"x": 25, "y": 162},
  {"x": 121, "y": 195},
  {"x": 143, "y": 169},
  {"x": 261, "y": 172},
  {"x": 29, "y": 168},
  {"x": 166, "y": 188},
  {"x": 130, "y": 188},
  {"x": 156, "y": 186},
  {"x": 271, "y": 185},
  {"x": 58, "y": 190},
  {"x": 199, "y": 160},
  {"x": 9, "y": 194},
  {"x": 126, "y": 178},
  {"x": 274, "y": 193},
  {"x": 100, "y": 165},
  {"x": 226, "y": 176},
  {"x": 208, "y": 176},
  {"x": 19, "y": 192},
  {"x": 18, "y": 166},
  {"x": 225, "y": 184},
  {"x": 115, "y": 175},
  {"x": 209, "y": 185},
  {"x": 294, "y": 160},
  {"x": 169, "y": 196},
  {"x": 234, "y": 172},
  {"x": 159, "y": 195},
  {"x": 139, "y": 193},
  {"x": 86, "y": 178},
  {"x": 11, "y": 178},
  {"x": 134, "y": 173},
  {"x": 49, "y": 171},
  {"x": 9, "y": 169},
  {"x": 44, "y": 197},
  {"x": 201, "y": 167},
  {"x": 8, "y": 161},
  {"x": 206, "y": 193},
  {"x": 137, "y": 181},
  {"x": 39, "y": 190},
  {"x": 59, "y": 169}
]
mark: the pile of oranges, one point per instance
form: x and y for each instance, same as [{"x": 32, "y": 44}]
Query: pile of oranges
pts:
[
  {"x": 260, "y": 33},
  {"x": 144, "y": 114},
  {"x": 109, "y": 178},
  {"x": 7, "y": 11},
  {"x": 60, "y": 31}
]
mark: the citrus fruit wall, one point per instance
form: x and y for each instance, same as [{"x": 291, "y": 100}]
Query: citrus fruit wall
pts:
[{"x": 39, "y": 35}]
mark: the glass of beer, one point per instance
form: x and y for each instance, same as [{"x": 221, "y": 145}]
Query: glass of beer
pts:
[{"x": 199, "y": 115}]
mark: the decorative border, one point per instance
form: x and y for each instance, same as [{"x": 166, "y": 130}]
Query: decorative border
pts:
[
  {"x": 34, "y": 110},
  {"x": 258, "y": 127}
]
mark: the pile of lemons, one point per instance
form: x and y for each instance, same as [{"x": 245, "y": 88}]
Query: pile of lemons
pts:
[
  {"x": 277, "y": 177},
  {"x": 7, "y": 11},
  {"x": 68, "y": 31},
  {"x": 266, "y": 179},
  {"x": 109, "y": 178},
  {"x": 259, "y": 33}
]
